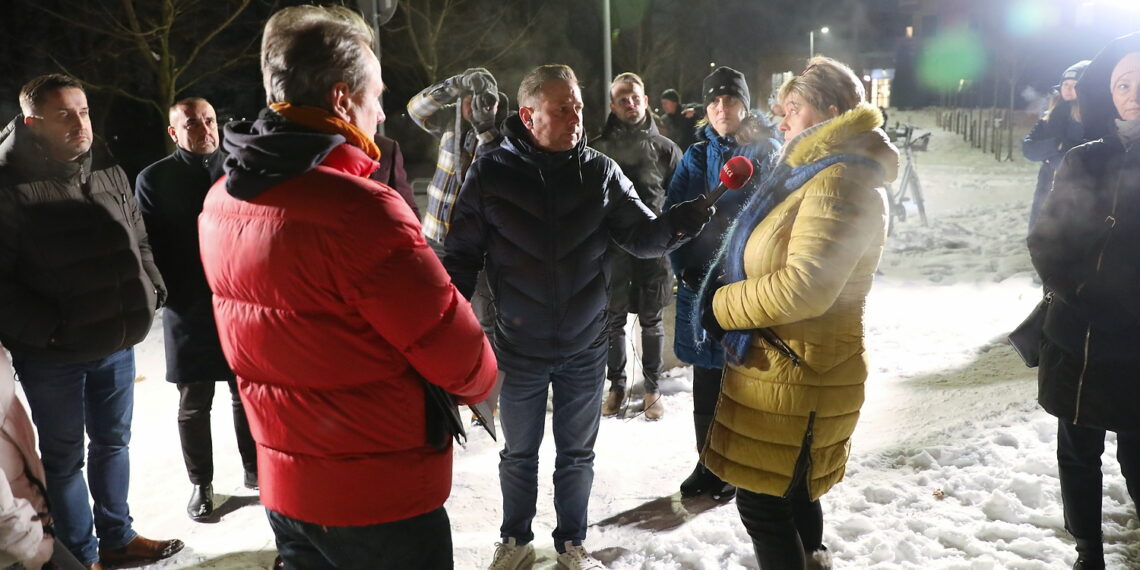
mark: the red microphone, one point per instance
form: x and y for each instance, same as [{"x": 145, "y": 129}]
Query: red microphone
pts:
[{"x": 734, "y": 174}]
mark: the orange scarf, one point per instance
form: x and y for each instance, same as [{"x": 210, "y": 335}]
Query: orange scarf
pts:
[{"x": 321, "y": 120}]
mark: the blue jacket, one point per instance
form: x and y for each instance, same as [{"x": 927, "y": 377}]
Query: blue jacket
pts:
[
  {"x": 699, "y": 173},
  {"x": 1047, "y": 143}
]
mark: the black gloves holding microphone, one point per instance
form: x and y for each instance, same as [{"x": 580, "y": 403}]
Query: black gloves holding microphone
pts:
[{"x": 688, "y": 218}]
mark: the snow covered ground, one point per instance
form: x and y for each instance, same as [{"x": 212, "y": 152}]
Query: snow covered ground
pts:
[{"x": 953, "y": 464}]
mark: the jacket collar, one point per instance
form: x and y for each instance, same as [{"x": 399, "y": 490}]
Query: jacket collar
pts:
[
  {"x": 517, "y": 141},
  {"x": 615, "y": 127},
  {"x": 210, "y": 162},
  {"x": 22, "y": 154},
  {"x": 855, "y": 131}
]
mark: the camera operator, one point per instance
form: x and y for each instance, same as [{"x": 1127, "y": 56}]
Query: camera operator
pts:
[{"x": 464, "y": 112}]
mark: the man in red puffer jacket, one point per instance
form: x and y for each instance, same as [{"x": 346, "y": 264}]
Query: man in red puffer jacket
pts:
[{"x": 333, "y": 311}]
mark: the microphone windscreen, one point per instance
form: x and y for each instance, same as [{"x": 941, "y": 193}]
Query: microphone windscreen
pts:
[{"x": 736, "y": 172}]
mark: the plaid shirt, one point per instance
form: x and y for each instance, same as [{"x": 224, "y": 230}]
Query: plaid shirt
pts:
[{"x": 435, "y": 110}]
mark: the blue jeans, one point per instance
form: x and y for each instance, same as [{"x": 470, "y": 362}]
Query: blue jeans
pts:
[
  {"x": 421, "y": 542},
  {"x": 65, "y": 399},
  {"x": 577, "y": 383}
]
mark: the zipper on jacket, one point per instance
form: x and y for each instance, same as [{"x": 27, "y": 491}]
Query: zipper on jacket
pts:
[
  {"x": 551, "y": 273},
  {"x": 1109, "y": 220},
  {"x": 802, "y": 468}
]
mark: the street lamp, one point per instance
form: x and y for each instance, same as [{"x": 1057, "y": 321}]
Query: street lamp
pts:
[{"x": 811, "y": 40}]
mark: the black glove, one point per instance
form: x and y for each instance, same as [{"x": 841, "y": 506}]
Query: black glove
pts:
[
  {"x": 689, "y": 218},
  {"x": 692, "y": 278},
  {"x": 483, "y": 108},
  {"x": 478, "y": 80},
  {"x": 708, "y": 317}
]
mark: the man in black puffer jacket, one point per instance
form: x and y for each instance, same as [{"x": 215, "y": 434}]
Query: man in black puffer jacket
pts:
[
  {"x": 78, "y": 289},
  {"x": 639, "y": 286},
  {"x": 539, "y": 213}
]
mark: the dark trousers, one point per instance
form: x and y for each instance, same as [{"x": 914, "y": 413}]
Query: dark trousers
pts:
[
  {"x": 1078, "y": 463},
  {"x": 421, "y": 542},
  {"x": 194, "y": 403},
  {"x": 642, "y": 286},
  {"x": 782, "y": 529}
]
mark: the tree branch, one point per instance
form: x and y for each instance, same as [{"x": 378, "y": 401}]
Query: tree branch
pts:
[{"x": 217, "y": 30}]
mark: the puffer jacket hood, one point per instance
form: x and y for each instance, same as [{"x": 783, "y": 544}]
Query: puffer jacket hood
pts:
[
  {"x": 1098, "y": 113},
  {"x": 269, "y": 151}
]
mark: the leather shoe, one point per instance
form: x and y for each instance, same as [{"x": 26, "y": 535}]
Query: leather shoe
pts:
[
  {"x": 278, "y": 563},
  {"x": 201, "y": 503},
  {"x": 251, "y": 480},
  {"x": 141, "y": 550}
]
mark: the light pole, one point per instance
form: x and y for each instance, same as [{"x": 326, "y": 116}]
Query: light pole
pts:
[{"x": 811, "y": 40}]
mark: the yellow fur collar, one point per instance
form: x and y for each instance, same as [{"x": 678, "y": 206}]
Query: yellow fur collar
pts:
[{"x": 832, "y": 134}]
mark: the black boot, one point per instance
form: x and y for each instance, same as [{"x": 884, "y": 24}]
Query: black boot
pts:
[
  {"x": 250, "y": 479},
  {"x": 701, "y": 480},
  {"x": 201, "y": 503},
  {"x": 1090, "y": 555},
  {"x": 698, "y": 482},
  {"x": 721, "y": 492}
]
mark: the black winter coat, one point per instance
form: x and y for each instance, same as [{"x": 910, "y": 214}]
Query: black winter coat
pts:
[
  {"x": 540, "y": 223},
  {"x": 648, "y": 159},
  {"x": 1084, "y": 248},
  {"x": 77, "y": 280},
  {"x": 645, "y": 156},
  {"x": 170, "y": 193}
]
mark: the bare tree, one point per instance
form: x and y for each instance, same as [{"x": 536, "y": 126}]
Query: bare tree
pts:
[
  {"x": 430, "y": 38},
  {"x": 152, "y": 52}
]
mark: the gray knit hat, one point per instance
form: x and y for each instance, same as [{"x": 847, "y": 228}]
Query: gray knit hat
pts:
[{"x": 1075, "y": 71}]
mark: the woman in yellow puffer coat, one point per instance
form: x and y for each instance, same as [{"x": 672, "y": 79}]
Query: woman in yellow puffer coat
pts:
[{"x": 798, "y": 264}]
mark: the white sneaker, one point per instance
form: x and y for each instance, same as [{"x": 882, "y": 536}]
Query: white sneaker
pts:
[
  {"x": 511, "y": 556},
  {"x": 576, "y": 558}
]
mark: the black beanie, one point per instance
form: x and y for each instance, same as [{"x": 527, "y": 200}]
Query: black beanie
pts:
[
  {"x": 672, "y": 95},
  {"x": 725, "y": 81}
]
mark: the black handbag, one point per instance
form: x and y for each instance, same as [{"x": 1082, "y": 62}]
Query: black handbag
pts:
[{"x": 1027, "y": 337}]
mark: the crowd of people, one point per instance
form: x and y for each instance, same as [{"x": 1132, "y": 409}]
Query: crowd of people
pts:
[{"x": 294, "y": 265}]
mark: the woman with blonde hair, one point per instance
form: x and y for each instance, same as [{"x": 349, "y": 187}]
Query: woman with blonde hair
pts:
[{"x": 797, "y": 266}]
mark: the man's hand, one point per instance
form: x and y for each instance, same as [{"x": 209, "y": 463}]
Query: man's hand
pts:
[
  {"x": 483, "y": 109},
  {"x": 478, "y": 80},
  {"x": 160, "y": 296},
  {"x": 689, "y": 218}
]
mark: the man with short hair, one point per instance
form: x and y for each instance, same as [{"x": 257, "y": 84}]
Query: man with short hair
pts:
[
  {"x": 334, "y": 313},
  {"x": 170, "y": 193},
  {"x": 539, "y": 213},
  {"x": 78, "y": 289},
  {"x": 639, "y": 286},
  {"x": 679, "y": 122}
]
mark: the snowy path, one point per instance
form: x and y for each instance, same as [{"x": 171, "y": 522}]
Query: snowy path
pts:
[{"x": 949, "y": 407}]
